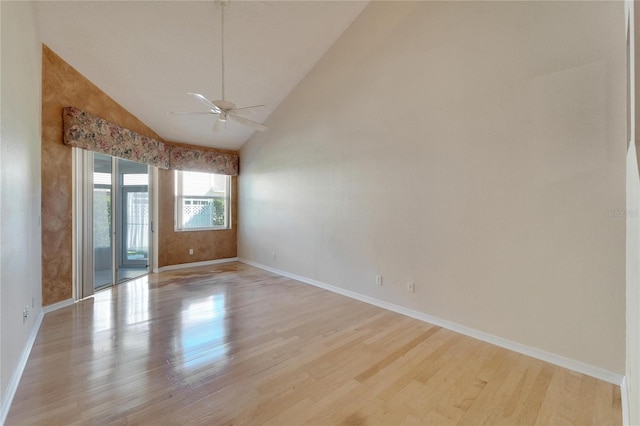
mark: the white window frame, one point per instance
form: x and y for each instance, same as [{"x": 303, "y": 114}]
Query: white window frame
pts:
[{"x": 179, "y": 199}]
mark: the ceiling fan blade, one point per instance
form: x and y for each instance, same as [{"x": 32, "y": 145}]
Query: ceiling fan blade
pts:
[
  {"x": 218, "y": 125},
  {"x": 188, "y": 112},
  {"x": 258, "y": 126},
  {"x": 253, "y": 108},
  {"x": 204, "y": 101}
]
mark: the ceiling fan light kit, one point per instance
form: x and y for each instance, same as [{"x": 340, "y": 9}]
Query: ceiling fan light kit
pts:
[{"x": 223, "y": 108}]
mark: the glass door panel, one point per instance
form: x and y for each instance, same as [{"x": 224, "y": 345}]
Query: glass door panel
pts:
[
  {"x": 134, "y": 220},
  {"x": 102, "y": 221}
]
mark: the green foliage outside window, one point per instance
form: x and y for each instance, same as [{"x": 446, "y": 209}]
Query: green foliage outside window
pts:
[{"x": 218, "y": 212}]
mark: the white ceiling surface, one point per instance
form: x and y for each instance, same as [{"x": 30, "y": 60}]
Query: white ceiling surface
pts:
[{"x": 148, "y": 54}]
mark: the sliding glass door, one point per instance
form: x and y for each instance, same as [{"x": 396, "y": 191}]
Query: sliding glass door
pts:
[{"x": 114, "y": 223}]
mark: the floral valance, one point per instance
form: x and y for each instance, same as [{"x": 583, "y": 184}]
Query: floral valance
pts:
[
  {"x": 197, "y": 160},
  {"x": 87, "y": 131}
]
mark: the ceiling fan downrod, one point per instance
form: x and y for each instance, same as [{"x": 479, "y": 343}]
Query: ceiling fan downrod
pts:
[{"x": 223, "y": 4}]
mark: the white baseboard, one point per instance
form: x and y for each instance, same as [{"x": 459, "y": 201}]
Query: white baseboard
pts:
[
  {"x": 59, "y": 305},
  {"x": 194, "y": 264},
  {"x": 624, "y": 397},
  {"x": 17, "y": 373},
  {"x": 571, "y": 364}
]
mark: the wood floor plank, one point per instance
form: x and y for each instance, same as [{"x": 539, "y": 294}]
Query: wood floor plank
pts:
[
  {"x": 232, "y": 344},
  {"x": 402, "y": 350},
  {"x": 458, "y": 388},
  {"x": 588, "y": 392}
]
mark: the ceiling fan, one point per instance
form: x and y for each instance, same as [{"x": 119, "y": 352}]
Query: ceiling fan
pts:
[{"x": 223, "y": 108}]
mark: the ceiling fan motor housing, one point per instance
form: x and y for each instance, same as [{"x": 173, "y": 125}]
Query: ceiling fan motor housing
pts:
[{"x": 224, "y": 105}]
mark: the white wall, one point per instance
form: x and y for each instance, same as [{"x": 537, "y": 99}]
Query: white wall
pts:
[
  {"x": 633, "y": 287},
  {"x": 632, "y": 373},
  {"x": 476, "y": 148},
  {"x": 20, "y": 277}
]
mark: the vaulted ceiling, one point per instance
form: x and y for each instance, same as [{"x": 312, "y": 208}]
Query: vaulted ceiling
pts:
[{"x": 148, "y": 54}]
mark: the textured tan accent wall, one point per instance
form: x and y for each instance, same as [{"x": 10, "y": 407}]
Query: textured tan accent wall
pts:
[
  {"x": 173, "y": 247},
  {"x": 63, "y": 86}
]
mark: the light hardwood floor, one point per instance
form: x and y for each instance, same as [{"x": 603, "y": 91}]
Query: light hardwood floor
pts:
[{"x": 232, "y": 344}]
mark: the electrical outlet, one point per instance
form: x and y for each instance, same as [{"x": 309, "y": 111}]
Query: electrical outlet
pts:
[
  {"x": 190, "y": 251},
  {"x": 274, "y": 255},
  {"x": 411, "y": 287},
  {"x": 379, "y": 280}
]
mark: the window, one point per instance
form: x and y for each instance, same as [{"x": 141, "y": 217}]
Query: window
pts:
[{"x": 202, "y": 201}]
